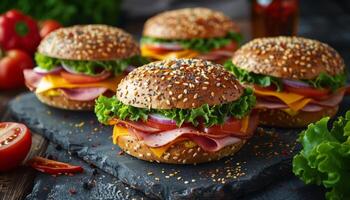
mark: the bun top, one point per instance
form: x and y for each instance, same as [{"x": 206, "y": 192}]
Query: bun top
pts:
[
  {"x": 189, "y": 23},
  {"x": 289, "y": 57},
  {"x": 178, "y": 83},
  {"x": 89, "y": 42}
]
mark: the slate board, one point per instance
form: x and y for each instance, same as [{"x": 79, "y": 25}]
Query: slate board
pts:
[
  {"x": 106, "y": 186},
  {"x": 91, "y": 184},
  {"x": 265, "y": 159}
]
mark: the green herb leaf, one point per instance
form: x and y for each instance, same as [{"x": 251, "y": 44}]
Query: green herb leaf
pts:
[
  {"x": 89, "y": 67},
  {"x": 108, "y": 108},
  {"x": 202, "y": 45},
  {"x": 325, "y": 157}
]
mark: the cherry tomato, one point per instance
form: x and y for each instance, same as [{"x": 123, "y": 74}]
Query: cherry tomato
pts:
[
  {"x": 15, "y": 142},
  {"x": 11, "y": 69},
  {"x": 77, "y": 78},
  {"x": 48, "y": 26},
  {"x": 308, "y": 91},
  {"x": 230, "y": 125}
]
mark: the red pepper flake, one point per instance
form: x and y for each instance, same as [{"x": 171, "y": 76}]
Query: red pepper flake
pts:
[
  {"x": 121, "y": 153},
  {"x": 53, "y": 167},
  {"x": 284, "y": 152},
  {"x": 72, "y": 191}
]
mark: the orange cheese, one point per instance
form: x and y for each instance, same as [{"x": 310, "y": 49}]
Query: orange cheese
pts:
[
  {"x": 245, "y": 123},
  {"x": 49, "y": 82},
  {"x": 187, "y": 53},
  {"x": 294, "y": 101}
]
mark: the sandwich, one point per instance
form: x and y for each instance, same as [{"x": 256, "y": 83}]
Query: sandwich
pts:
[
  {"x": 190, "y": 33},
  {"x": 77, "y": 64},
  {"x": 296, "y": 80},
  {"x": 179, "y": 111}
]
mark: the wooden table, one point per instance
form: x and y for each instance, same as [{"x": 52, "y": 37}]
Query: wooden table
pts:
[{"x": 19, "y": 182}]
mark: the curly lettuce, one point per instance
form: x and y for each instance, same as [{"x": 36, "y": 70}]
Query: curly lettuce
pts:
[
  {"x": 323, "y": 80},
  {"x": 108, "y": 108},
  {"x": 325, "y": 157},
  {"x": 89, "y": 67},
  {"x": 202, "y": 45}
]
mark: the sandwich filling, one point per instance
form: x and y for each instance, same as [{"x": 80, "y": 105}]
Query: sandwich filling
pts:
[
  {"x": 75, "y": 79},
  {"x": 210, "y": 127},
  {"x": 293, "y": 96},
  {"x": 214, "y": 49}
]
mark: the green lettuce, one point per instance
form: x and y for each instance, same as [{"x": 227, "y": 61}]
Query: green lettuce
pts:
[
  {"x": 89, "y": 67},
  {"x": 249, "y": 77},
  {"x": 108, "y": 108},
  {"x": 323, "y": 80},
  {"x": 325, "y": 157},
  {"x": 202, "y": 45}
]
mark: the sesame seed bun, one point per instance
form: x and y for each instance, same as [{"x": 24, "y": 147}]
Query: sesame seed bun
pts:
[
  {"x": 289, "y": 57},
  {"x": 89, "y": 42},
  {"x": 189, "y": 23},
  {"x": 178, "y": 83},
  {"x": 60, "y": 101},
  {"x": 279, "y": 118},
  {"x": 179, "y": 153}
]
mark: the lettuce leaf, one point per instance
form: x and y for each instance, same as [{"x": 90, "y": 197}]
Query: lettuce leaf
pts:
[
  {"x": 89, "y": 67},
  {"x": 202, "y": 45},
  {"x": 325, "y": 157},
  {"x": 107, "y": 108},
  {"x": 323, "y": 80},
  {"x": 249, "y": 77}
]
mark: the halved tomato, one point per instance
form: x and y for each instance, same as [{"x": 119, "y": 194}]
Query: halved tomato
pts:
[
  {"x": 15, "y": 143},
  {"x": 230, "y": 125},
  {"x": 77, "y": 78},
  {"x": 308, "y": 91}
]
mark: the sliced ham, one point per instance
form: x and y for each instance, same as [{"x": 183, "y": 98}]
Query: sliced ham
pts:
[
  {"x": 202, "y": 139},
  {"x": 31, "y": 78},
  {"x": 262, "y": 103},
  {"x": 137, "y": 125},
  {"x": 83, "y": 94},
  {"x": 333, "y": 100}
]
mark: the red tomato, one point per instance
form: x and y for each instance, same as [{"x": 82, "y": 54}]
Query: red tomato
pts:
[
  {"x": 48, "y": 26},
  {"x": 15, "y": 142},
  {"x": 76, "y": 78},
  {"x": 158, "y": 49},
  {"x": 308, "y": 91},
  {"x": 11, "y": 69},
  {"x": 231, "y": 125}
]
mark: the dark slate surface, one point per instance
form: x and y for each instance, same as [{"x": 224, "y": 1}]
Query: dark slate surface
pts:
[
  {"x": 105, "y": 186},
  {"x": 263, "y": 160},
  {"x": 92, "y": 184}
]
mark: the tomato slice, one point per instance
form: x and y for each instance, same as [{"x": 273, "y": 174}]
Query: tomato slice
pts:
[
  {"x": 270, "y": 87},
  {"x": 77, "y": 78},
  {"x": 308, "y": 91},
  {"x": 15, "y": 143},
  {"x": 230, "y": 125},
  {"x": 161, "y": 126},
  {"x": 53, "y": 167}
]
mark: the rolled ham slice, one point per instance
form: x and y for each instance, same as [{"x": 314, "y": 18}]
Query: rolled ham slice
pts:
[{"x": 82, "y": 94}]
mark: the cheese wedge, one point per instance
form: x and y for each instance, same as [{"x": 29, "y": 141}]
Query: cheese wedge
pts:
[
  {"x": 294, "y": 101},
  {"x": 49, "y": 82},
  {"x": 187, "y": 53}
]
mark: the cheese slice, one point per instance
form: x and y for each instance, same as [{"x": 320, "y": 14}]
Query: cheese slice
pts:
[
  {"x": 158, "y": 151},
  {"x": 245, "y": 123},
  {"x": 294, "y": 101},
  {"x": 187, "y": 53},
  {"x": 49, "y": 82}
]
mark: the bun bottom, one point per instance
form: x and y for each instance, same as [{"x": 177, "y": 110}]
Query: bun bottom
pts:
[
  {"x": 279, "y": 118},
  {"x": 62, "y": 102},
  {"x": 177, "y": 154}
]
